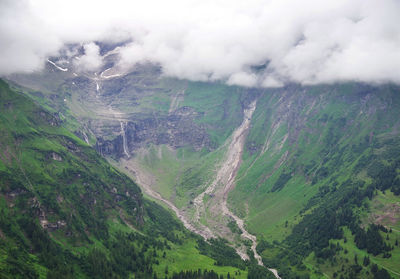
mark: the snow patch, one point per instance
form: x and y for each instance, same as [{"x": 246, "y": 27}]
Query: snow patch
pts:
[
  {"x": 58, "y": 67},
  {"x": 102, "y": 75}
]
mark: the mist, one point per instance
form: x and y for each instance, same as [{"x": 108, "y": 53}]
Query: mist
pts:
[{"x": 249, "y": 43}]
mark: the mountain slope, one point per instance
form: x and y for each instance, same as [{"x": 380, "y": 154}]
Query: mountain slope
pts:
[
  {"x": 308, "y": 151},
  {"x": 67, "y": 213},
  {"x": 314, "y": 159}
]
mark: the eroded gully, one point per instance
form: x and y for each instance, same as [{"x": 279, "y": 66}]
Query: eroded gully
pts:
[{"x": 219, "y": 188}]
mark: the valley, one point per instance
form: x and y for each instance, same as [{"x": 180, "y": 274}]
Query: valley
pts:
[
  {"x": 218, "y": 189},
  {"x": 67, "y": 213},
  {"x": 200, "y": 139},
  {"x": 250, "y": 166}
]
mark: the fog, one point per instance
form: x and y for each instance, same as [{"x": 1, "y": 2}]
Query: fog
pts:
[{"x": 250, "y": 43}]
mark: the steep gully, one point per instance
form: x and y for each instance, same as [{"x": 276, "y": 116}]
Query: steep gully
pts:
[
  {"x": 223, "y": 183},
  {"x": 218, "y": 190}
]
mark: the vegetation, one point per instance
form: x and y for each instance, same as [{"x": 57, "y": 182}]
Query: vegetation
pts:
[
  {"x": 66, "y": 213},
  {"x": 223, "y": 254},
  {"x": 324, "y": 164},
  {"x": 319, "y": 163}
]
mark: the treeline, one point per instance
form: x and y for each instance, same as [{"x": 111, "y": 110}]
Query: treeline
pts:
[
  {"x": 120, "y": 254},
  {"x": 385, "y": 176},
  {"x": 324, "y": 223},
  {"x": 314, "y": 231},
  {"x": 371, "y": 240},
  {"x": 380, "y": 273},
  {"x": 221, "y": 252},
  {"x": 23, "y": 236},
  {"x": 334, "y": 205},
  {"x": 126, "y": 254},
  {"x": 254, "y": 272},
  {"x": 197, "y": 274},
  {"x": 281, "y": 181},
  {"x": 159, "y": 222},
  {"x": 259, "y": 272}
]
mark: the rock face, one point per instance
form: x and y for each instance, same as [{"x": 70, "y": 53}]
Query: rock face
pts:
[
  {"x": 176, "y": 130},
  {"x": 56, "y": 157}
]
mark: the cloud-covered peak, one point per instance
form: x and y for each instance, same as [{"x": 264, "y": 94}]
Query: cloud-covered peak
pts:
[
  {"x": 308, "y": 41},
  {"x": 90, "y": 60}
]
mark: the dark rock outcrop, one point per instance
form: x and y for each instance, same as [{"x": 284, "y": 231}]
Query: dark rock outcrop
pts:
[{"x": 176, "y": 130}]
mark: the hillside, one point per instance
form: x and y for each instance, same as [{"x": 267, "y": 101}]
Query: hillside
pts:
[
  {"x": 310, "y": 171},
  {"x": 316, "y": 160},
  {"x": 200, "y": 139},
  {"x": 67, "y": 213}
]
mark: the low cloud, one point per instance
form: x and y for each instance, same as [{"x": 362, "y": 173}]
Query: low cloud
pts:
[
  {"x": 308, "y": 42},
  {"x": 243, "y": 79},
  {"x": 91, "y": 60}
]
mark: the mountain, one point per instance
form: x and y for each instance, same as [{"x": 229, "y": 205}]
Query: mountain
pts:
[
  {"x": 311, "y": 171},
  {"x": 67, "y": 213}
]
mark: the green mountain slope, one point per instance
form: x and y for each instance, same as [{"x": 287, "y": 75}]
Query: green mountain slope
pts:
[
  {"x": 319, "y": 167},
  {"x": 67, "y": 213},
  {"x": 315, "y": 158}
]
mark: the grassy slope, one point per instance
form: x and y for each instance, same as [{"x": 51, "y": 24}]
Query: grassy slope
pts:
[
  {"x": 330, "y": 132},
  {"x": 220, "y": 106},
  {"x": 315, "y": 134},
  {"x": 316, "y": 139},
  {"x": 179, "y": 175},
  {"x": 187, "y": 257},
  {"x": 78, "y": 184},
  {"x": 346, "y": 258}
]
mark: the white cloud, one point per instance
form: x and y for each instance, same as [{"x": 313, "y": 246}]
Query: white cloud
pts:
[
  {"x": 308, "y": 41},
  {"x": 22, "y": 37},
  {"x": 243, "y": 79},
  {"x": 91, "y": 60},
  {"x": 271, "y": 82}
]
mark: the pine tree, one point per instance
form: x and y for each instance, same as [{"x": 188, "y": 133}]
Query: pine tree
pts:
[
  {"x": 366, "y": 261},
  {"x": 374, "y": 268}
]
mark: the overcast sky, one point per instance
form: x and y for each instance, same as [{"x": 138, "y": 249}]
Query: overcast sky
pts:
[{"x": 305, "y": 41}]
